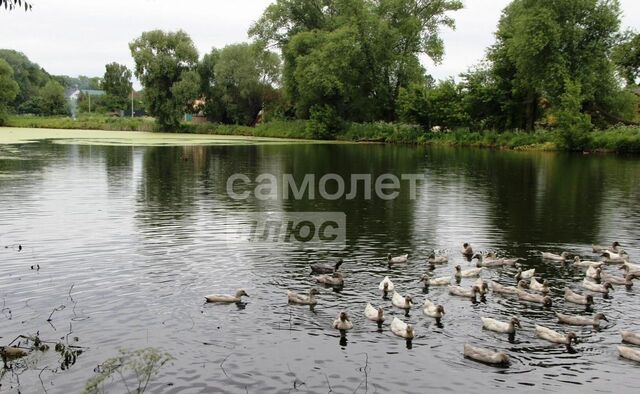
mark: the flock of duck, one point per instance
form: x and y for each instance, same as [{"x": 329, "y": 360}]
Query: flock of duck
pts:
[{"x": 598, "y": 279}]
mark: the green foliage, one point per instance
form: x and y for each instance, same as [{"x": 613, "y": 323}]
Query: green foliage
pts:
[
  {"x": 117, "y": 84},
  {"x": 626, "y": 56},
  {"x": 80, "y": 82},
  {"x": 324, "y": 122},
  {"x": 161, "y": 58},
  {"x": 85, "y": 121},
  {"x": 573, "y": 124},
  {"x": 186, "y": 89},
  {"x": 29, "y": 76},
  {"x": 53, "y": 100},
  {"x": 8, "y": 89},
  {"x": 133, "y": 369}
]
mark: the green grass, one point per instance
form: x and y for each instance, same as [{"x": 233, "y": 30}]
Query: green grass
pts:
[{"x": 622, "y": 139}]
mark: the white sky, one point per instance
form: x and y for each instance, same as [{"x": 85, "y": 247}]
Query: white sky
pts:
[{"x": 78, "y": 37}]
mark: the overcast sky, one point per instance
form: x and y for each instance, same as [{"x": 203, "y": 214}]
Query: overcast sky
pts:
[{"x": 78, "y": 37}]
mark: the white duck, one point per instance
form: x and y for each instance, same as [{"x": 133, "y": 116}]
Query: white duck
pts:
[
  {"x": 300, "y": 299},
  {"x": 564, "y": 256},
  {"x": 485, "y": 355},
  {"x": 442, "y": 281},
  {"x": 499, "y": 326},
  {"x": 555, "y": 337},
  {"x": 528, "y": 274},
  {"x": 627, "y": 280},
  {"x": 586, "y": 264},
  {"x": 376, "y": 315},
  {"x": 470, "y": 273},
  {"x": 540, "y": 287},
  {"x": 535, "y": 298},
  {"x": 432, "y": 310},
  {"x": 342, "y": 322},
  {"x": 462, "y": 292},
  {"x": 615, "y": 258},
  {"x": 386, "y": 285},
  {"x": 600, "y": 249},
  {"x": 401, "y": 302},
  {"x": 593, "y": 273},
  {"x": 402, "y": 329},
  {"x": 630, "y": 268},
  {"x": 630, "y": 337},
  {"x": 598, "y": 288},
  {"x": 629, "y": 353},
  {"x": 498, "y": 288},
  {"x": 576, "y": 298},
  {"x": 226, "y": 298},
  {"x": 575, "y": 320},
  {"x": 433, "y": 259},
  {"x": 397, "y": 259}
]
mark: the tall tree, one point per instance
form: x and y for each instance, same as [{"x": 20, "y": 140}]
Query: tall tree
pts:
[
  {"x": 161, "y": 58},
  {"x": 8, "y": 89},
  {"x": 53, "y": 100},
  {"x": 117, "y": 85},
  {"x": 29, "y": 76},
  {"x": 626, "y": 56}
]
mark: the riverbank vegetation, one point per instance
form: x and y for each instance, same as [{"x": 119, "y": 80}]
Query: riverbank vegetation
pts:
[{"x": 560, "y": 75}]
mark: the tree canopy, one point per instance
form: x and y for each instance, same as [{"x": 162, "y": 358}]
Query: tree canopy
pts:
[
  {"x": 8, "y": 88},
  {"x": 117, "y": 85}
]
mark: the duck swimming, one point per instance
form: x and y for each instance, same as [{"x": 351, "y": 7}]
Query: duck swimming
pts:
[
  {"x": 586, "y": 264},
  {"x": 335, "y": 279},
  {"x": 598, "y": 288},
  {"x": 498, "y": 288},
  {"x": 225, "y": 298},
  {"x": 576, "y": 298},
  {"x": 462, "y": 292},
  {"x": 575, "y": 320},
  {"x": 627, "y": 280},
  {"x": 593, "y": 273},
  {"x": 386, "y": 286},
  {"x": 485, "y": 355},
  {"x": 442, "y": 281},
  {"x": 433, "y": 259},
  {"x": 326, "y": 268},
  {"x": 629, "y": 353},
  {"x": 402, "y": 329},
  {"x": 467, "y": 250},
  {"x": 555, "y": 337},
  {"x": 528, "y": 274},
  {"x": 499, "y": 326},
  {"x": 376, "y": 315},
  {"x": 398, "y": 259},
  {"x": 401, "y": 302},
  {"x": 615, "y": 258},
  {"x": 342, "y": 322},
  {"x": 482, "y": 285},
  {"x": 564, "y": 256},
  {"x": 631, "y": 337},
  {"x": 535, "y": 298},
  {"x": 600, "y": 249},
  {"x": 295, "y": 298},
  {"x": 473, "y": 272},
  {"x": 432, "y": 310},
  {"x": 540, "y": 287}
]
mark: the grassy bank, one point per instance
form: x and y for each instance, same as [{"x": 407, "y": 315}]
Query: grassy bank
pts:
[{"x": 618, "y": 139}]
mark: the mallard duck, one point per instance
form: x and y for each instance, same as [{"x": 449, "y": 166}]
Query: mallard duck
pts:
[
  {"x": 300, "y": 299},
  {"x": 576, "y": 298},
  {"x": 437, "y": 259},
  {"x": 540, "y": 287},
  {"x": 615, "y": 258},
  {"x": 432, "y": 310},
  {"x": 12, "y": 352},
  {"x": 485, "y": 355},
  {"x": 462, "y": 292},
  {"x": 482, "y": 285},
  {"x": 371, "y": 313},
  {"x": 226, "y": 298},
  {"x": 498, "y": 288},
  {"x": 629, "y": 353},
  {"x": 627, "y": 280},
  {"x": 564, "y": 256},
  {"x": 575, "y": 320},
  {"x": 556, "y": 337},
  {"x": 398, "y": 259},
  {"x": 593, "y": 273},
  {"x": 528, "y": 274},
  {"x": 442, "y": 281},
  {"x": 499, "y": 326},
  {"x": 401, "y": 302},
  {"x": 586, "y": 264},
  {"x": 600, "y": 249},
  {"x": 386, "y": 286},
  {"x": 326, "y": 268},
  {"x": 630, "y": 337},
  {"x": 536, "y": 298},
  {"x": 467, "y": 250},
  {"x": 402, "y": 329},
  {"x": 335, "y": 279},
  {"x": 342, "y": 322},
  {"x": 598, "y": 288},
  {"x": 459, "y": 273}
]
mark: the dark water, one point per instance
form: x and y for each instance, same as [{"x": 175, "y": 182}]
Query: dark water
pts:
[{"x": 139, "y": 233}]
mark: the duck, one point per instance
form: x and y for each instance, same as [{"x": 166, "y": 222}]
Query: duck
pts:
[
  {"x": 593, "y": 273},
  {"x": 564, "y": 256},
  {"x": 342, "y": 322},
  {"x": 300, "y": 299},
  {"x": 371, "y": 313},
  {"x": 486, "y": 356},
  {"x": 630, "y": 337},
  {"x": 540, "y": 287},
  {"x": 499, "y": 326},
  {"x": 598, "y": 288},
  {"x": 433, "y": 259},
  {"x": 528, "y": 274},
  {"x": 575, "y": 320},
  {"x": 629, "y": 267},
  {"x": 586, "y": 264},
  {"x": 459, "y": 273},
  {"x": 467, "y": 250},
  {"x": 600, "y": 249},
  {"x": 462, "y": 292},
  {"x": 226, "y": 298},
  {"x": 576, "y": 298},
  {"x": 442, "y": 281},
  {"x": 482, "y": 285},
  {"x": 555, "y": 337},
  {"x": 386, "y": 285},
  {"x": 432, "y": 310},
  {"x": 498, "y": 288},
  {"x": 326, "y": 268},
  {"x": 398, "y": 259},
  {"x": 627, "y": 280},
  {"x": 402, "y": 329},
  {"x": 536, "y": 298},
  {"x": 615, "y": 258},
  {"x": 12, "y": 352},
  {"x": 492, "y": 261},
  {"x": 629, "y": 353},
  {"x": 335, "y": 279},
  {"x": 401, "y": 302}
]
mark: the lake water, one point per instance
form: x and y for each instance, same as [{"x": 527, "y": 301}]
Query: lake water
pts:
[{"x": 131, "y": 238}]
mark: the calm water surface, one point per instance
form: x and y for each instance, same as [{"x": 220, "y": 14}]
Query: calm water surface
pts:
[{"x": 139, "y": 233}]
